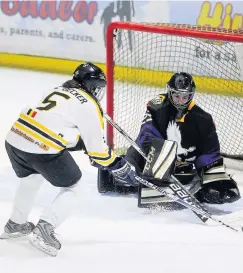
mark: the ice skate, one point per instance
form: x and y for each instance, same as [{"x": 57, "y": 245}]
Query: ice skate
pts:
[
  {"x": 43, "y": 238},
  {"x": 14, "y": 230}
]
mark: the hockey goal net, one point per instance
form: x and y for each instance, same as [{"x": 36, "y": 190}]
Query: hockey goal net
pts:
[{"x": 142, "y": 57}]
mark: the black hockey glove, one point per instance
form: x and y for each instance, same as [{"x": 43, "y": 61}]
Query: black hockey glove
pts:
[
  {"x": 217, "y": 186},
  {"x": 124, "y": 173},
  {"x": 219, "y": 192}
]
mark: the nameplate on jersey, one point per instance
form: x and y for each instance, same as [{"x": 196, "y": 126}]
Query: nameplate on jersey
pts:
[{"x": 76, "y": 94}]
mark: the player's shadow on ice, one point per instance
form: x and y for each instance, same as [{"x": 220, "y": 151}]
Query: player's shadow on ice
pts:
[{"x": 19, "y": 248}]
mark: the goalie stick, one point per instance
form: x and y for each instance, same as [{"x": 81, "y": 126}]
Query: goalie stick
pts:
[{"x": 181, "y": 195}]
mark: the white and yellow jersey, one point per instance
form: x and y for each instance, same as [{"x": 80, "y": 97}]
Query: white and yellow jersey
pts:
[{"x": 58, "y": 121}]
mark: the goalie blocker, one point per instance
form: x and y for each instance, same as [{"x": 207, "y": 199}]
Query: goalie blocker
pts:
[
  {"x": 210, "y": 184},
  {"x": 160, "y": 163}
]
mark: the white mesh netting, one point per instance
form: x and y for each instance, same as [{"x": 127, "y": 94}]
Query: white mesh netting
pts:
[{"x": 144, "y": 62}]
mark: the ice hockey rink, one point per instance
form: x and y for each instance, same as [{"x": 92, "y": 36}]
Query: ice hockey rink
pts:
[{"x": 108, "y": 233}]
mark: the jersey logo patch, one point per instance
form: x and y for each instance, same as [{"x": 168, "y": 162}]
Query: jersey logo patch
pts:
[
  {"x": 147, "y": 117},
  {"x": 157, "y": 100},
  {"x": 174, "y": 134},
  {"x": 31, "y": 113}
]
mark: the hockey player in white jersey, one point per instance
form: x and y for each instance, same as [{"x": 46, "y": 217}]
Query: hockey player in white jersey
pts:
[{"x": 68, "y": 118}]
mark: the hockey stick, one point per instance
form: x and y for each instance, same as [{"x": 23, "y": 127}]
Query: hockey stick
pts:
[
  {"x": 182, "y": 196},
  {"x": 178, "y": 189},
  {"x": 192, "y": 206}
]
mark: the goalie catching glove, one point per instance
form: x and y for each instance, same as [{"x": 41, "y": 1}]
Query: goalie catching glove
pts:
[
  {"x": 124, "y": 172},
  {"x": 217, "y": 186}
]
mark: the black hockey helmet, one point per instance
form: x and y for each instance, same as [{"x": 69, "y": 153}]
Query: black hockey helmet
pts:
[
  {"x": 181, "y": 89},
  {"x": 91, "y": 78}
]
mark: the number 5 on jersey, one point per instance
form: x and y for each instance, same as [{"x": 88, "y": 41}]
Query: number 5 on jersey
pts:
[{"x": 51, "y": 101}]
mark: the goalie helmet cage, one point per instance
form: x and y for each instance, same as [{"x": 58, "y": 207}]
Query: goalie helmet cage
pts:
[{"x": 141, "y": 58}]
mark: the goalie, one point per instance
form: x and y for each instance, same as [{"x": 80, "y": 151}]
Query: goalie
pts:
[{"x": 175, "y": 117}]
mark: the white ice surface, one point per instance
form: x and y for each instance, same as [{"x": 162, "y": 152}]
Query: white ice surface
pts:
[{"x": 108, "y": 233}]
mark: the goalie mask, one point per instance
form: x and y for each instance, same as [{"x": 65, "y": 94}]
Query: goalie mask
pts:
[
  {"x": 91, "y": 78},
  {"x": 181, "y": 89}
]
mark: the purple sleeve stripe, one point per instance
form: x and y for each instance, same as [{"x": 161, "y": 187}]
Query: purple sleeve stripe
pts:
[
  {"x": 144, "y": 136},
  {"x": 150, "y": 128},
  {"x": 147, "y": 132},
  {"x": 206, "y": 159}
]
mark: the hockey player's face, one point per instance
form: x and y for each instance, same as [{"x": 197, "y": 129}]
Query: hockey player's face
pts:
[{"x": 180, "y": 98}]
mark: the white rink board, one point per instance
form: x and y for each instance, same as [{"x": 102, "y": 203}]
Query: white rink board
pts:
[
  {"x": 161, "y": 52},
  {"x": 67, "y": 29},
  {"x": 75, "y": 29},
  {"x": 239, "y": 54}
]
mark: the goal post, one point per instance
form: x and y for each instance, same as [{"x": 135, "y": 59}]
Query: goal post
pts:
[{"x": 141, "y": 58}]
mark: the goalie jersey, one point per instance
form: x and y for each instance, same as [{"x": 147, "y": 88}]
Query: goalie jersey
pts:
[
  {"x": 194, "y": 132},
  {"x": 63, "y": 119}
]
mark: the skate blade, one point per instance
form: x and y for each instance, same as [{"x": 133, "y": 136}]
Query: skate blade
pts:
[
  {"x": 7, "y": 236},
  {"x": 39, "y": 244}
]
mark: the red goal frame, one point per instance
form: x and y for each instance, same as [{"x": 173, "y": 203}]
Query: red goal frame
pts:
[{"x": 208, "y": 33}]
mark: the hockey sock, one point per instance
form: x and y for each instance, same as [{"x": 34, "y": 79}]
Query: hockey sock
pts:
[
  {"x": 25, "y": 197},
  {"x": 62, "y": 206}
]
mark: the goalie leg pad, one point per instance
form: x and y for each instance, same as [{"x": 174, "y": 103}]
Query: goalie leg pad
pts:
[
  {"x": 104, "y": 181},
  {"x": 150, "y": 198}
]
